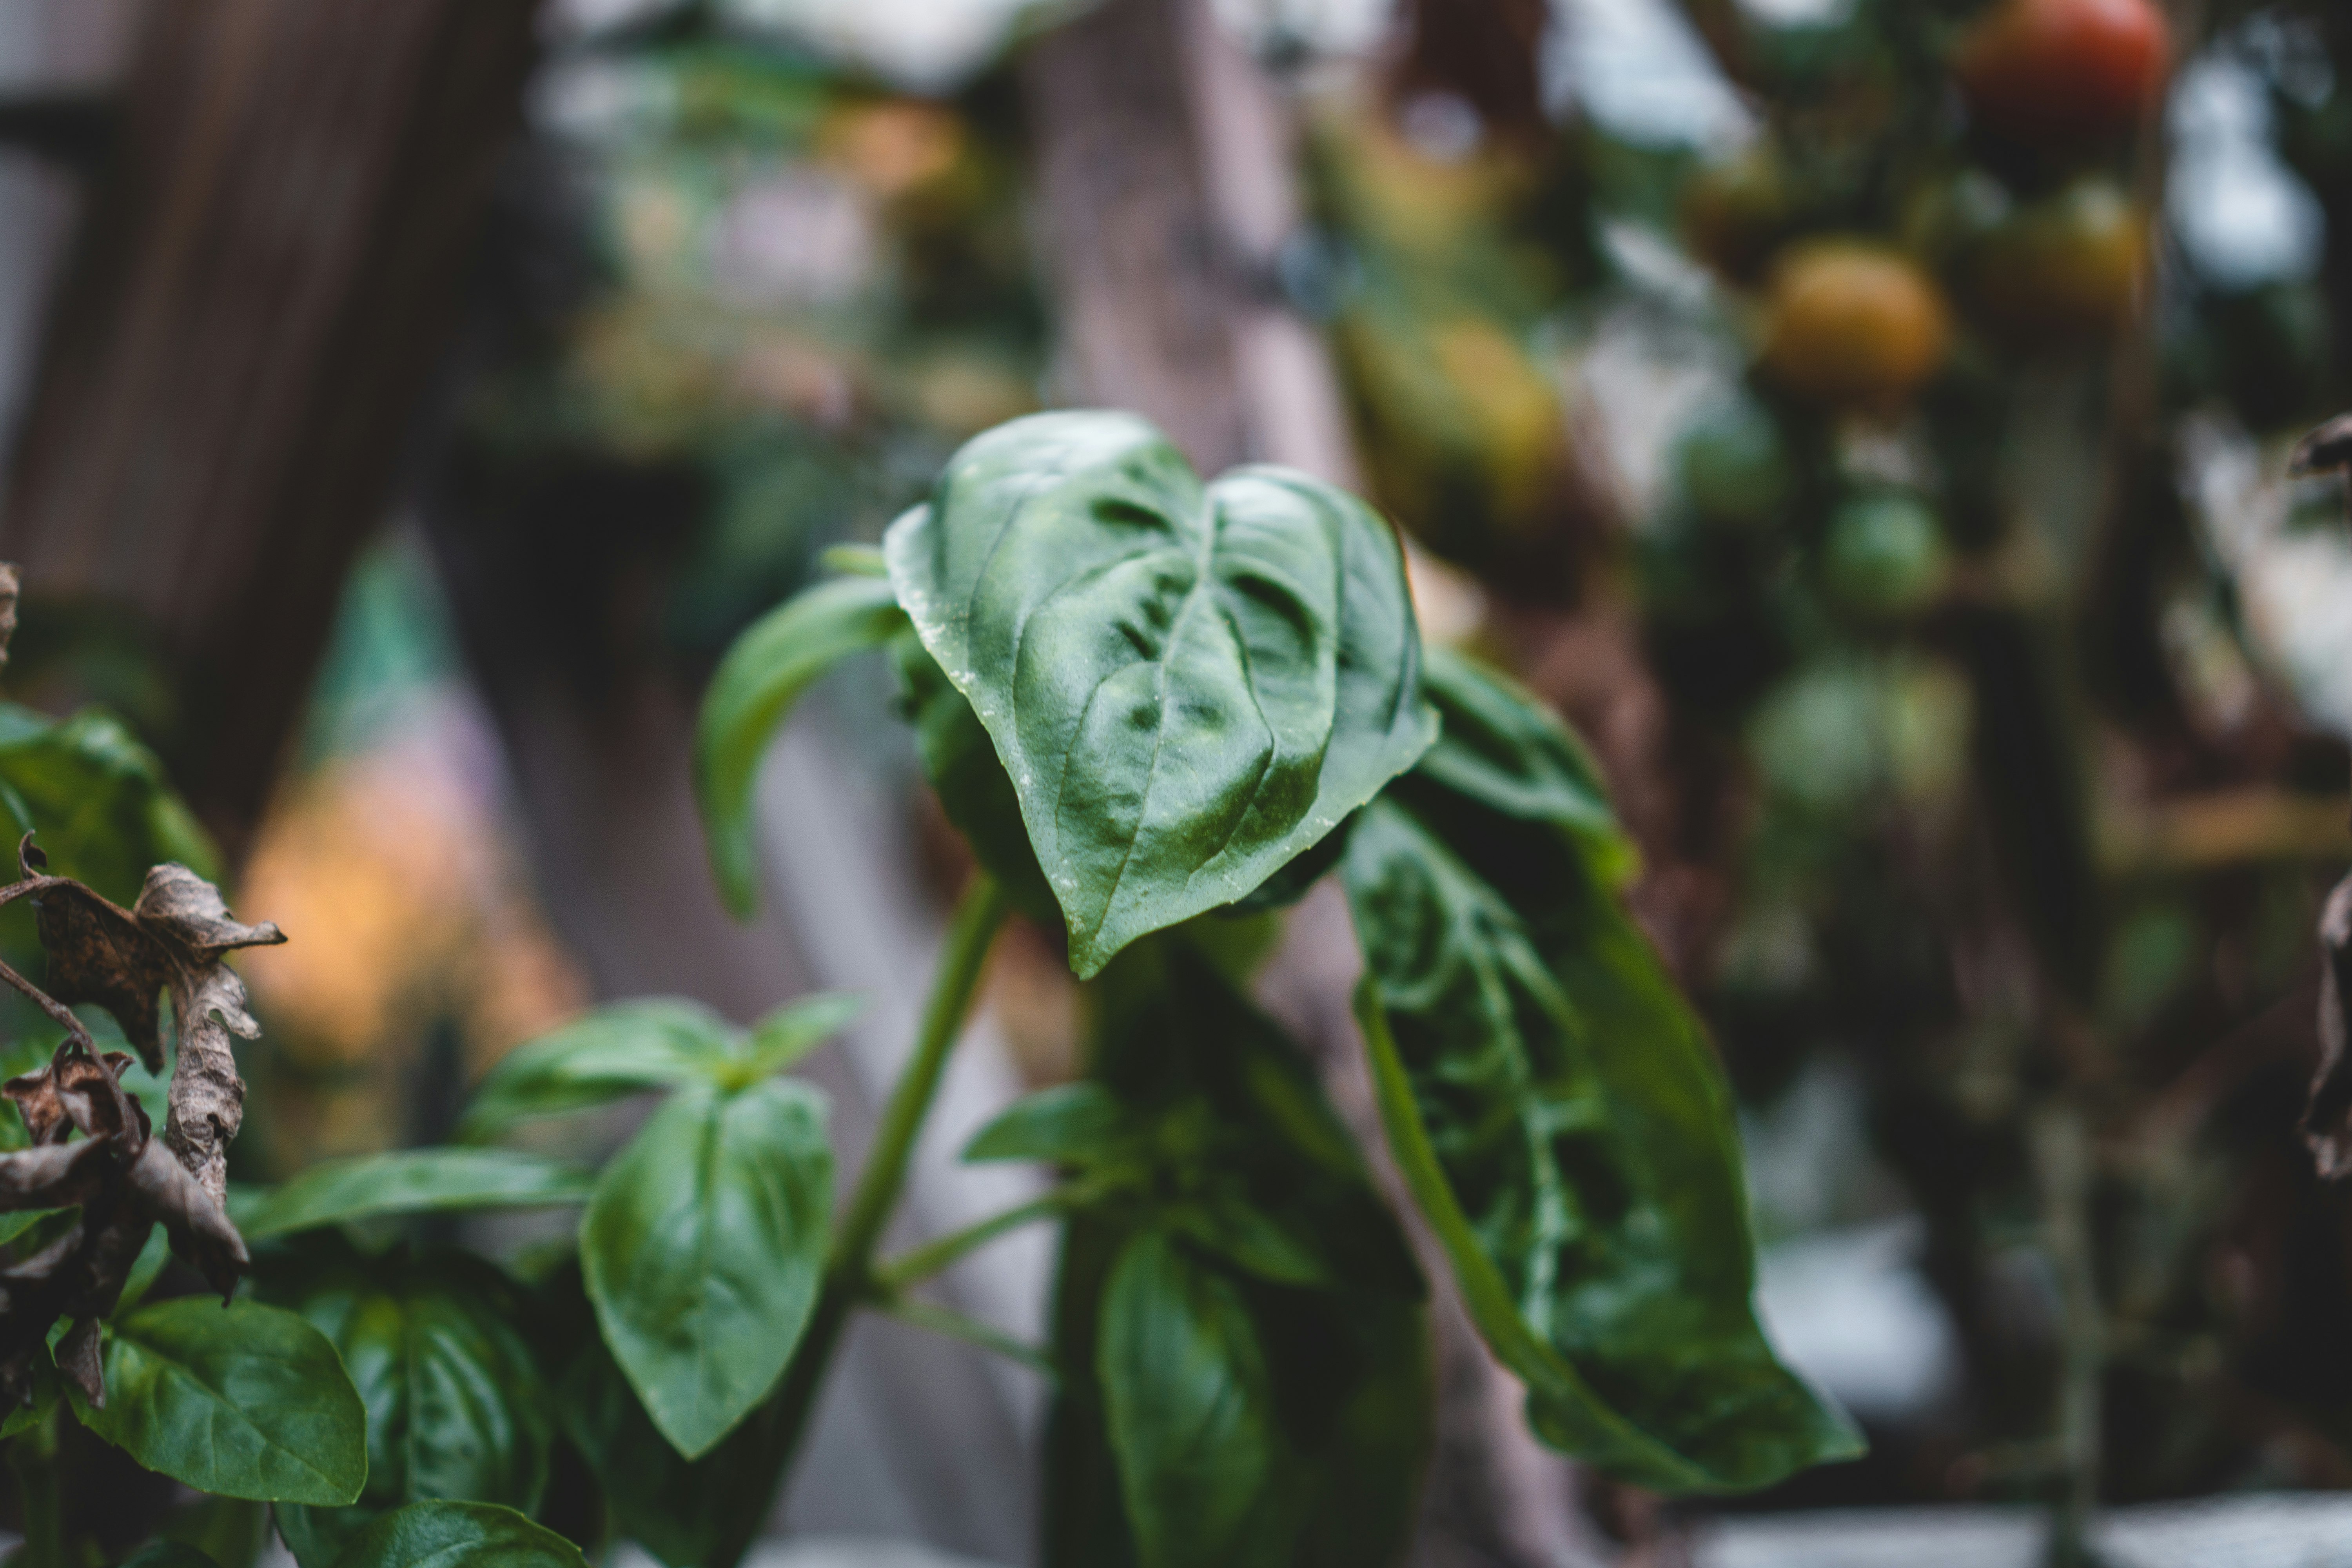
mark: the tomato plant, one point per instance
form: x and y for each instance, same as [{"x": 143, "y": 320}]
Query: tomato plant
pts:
[{"x": 2063, "y": 70}]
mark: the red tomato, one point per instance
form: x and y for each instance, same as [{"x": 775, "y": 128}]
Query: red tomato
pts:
[
  {"x": 2063, "y": 70},
  {"x": 1851, "y": 324}
]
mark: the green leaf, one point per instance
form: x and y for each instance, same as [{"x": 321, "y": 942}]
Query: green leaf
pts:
[
  {"x": 1557, "y": 1112},
  {"x": 415, "y": 1180},
  {"x": 1187, "y": 685},
  {"x": 453, "y": 1404},
  {"x": 792, "y": 1031},
  {"x": 460, "y": 1535},
  {"x": 1072, "y": 1123},
  {"x": 1243, "y": 1299},
  {"x": 703, "y": 1250},
  {"x": 168, "y": 1554},
  {"x": 245, "y": 1401},
  {"x": 688, "y": 1513},
  {"x": 606, "y": 1055},
  {"x": 755, "y": 687},
  {"x": 1190, "y": 1405},
  {"x": 1234, "y": 1144},
  {"x": 99, "y": 800},
  {"x": 1256, "y": 1425},
  {"x": 1502, "y": 748}
]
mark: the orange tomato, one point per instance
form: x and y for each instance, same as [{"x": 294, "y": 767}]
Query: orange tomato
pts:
[{"x": 1851, "y": 324}]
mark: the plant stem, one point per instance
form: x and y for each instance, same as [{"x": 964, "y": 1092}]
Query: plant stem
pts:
[
  {"x": 849, "y": 1274},
  {"x": 917, "y": 1264},
  {"x": 2063, "y": 1161},
  {"x": 32, "y": 1461}
]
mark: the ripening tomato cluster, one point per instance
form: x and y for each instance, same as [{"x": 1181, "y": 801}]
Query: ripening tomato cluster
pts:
[
  {"x": 2030, "y": 240},
  {"x": 1989, "y": 226}
]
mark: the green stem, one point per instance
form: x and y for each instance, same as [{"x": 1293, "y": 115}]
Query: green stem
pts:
[
  {"x": 919, "y": 1263},
  {"x": 33, "y": 1461},
  {"x": 849, "y": 1274}
]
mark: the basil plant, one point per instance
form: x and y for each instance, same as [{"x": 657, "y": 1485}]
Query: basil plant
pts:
[{"x": 1159, "y": 710}]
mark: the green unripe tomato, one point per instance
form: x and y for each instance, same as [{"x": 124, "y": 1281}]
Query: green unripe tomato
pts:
[
  {"x": 1884, "y": 555},
  {"x": 1732, "y": 466}
]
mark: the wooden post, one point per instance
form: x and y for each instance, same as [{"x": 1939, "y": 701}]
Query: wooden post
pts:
[
  {"x": 267, "y": 274},
  {"x": 1164, "y": 161}
]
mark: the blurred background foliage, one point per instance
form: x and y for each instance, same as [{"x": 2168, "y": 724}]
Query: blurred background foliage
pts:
[{"x": 1873, "y": 439}]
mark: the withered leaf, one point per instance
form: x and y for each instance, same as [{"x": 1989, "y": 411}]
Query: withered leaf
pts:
[
  {"x": 98, "y": 955},
  {"x": 172, "y": 939},
  {"x": 162, "y": 1190},
  {"x": 2327, "y": 1121},
  {"x": 2327, "y": 449},
  {"x": 77, "y": 1361},
  {"x": 71, "y": 1094}
]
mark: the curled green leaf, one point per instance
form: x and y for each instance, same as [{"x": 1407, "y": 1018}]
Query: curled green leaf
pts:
[
  {"x": 754, "y": 689},
  {"x": 604, "y": 1056},
  {"x": 1188, "y": 685},
  {"x": 1561, "y": 1119},
  {"x": 414, "y": 1180}
]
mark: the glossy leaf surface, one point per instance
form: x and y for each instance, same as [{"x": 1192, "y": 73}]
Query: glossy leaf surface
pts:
[
  {"x": 688, "y": 1513},
  {"x": 453, "y": 1404},
  {"x": 460, "y": 1535},
  {"x": 1188, "y": 685},
  {"x": 764, "y": 673},
  {"x": 1560, "y": 1115},
  {"x": 414, "y": 1180},
  {"x": 703, "y": 1250},
  {"x": 245, "y": 1401}
]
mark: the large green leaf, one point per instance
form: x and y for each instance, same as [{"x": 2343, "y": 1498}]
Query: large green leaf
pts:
[
  {"x": 604, "y": 1056},
  {"x": 1191, "y": 1402},
  {"x": 245, "y": 1401},
  {"x": 460, "y": 1535},
  {"x": 453, "y": 1404},
  {"x": 1238, "y": 1308},
  {"x": 703, "y": 1250},
  {"x": 1558, "y": 1114},
  {"x": 689, "y": 1514},
  {"x": 99, "y": 800},
  {"x": 754, "y": 688},
  {"x": 1254, "y": 1424},
  {"x": 414, "y": 1180},
  {"x": 1187, "y": 685}
]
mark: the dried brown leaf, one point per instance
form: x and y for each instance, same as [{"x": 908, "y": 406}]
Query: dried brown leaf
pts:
[
  {"x": 98, "y": 955},
  {"x": 2327, "y": 449},
  {"x": 77, "y": 1361},
  {"x": 162, "y": 1190}
]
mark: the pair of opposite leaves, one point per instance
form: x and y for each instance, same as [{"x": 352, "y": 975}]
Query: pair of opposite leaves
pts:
[{"x": 1184, "y": 689}]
